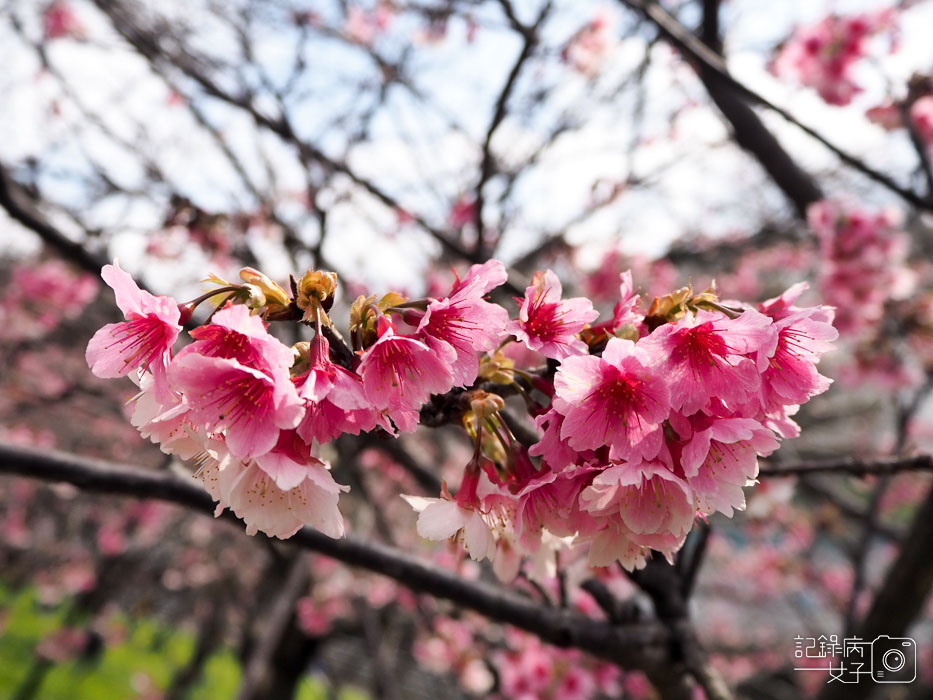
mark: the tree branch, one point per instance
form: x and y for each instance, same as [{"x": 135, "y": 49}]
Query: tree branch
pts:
[
  {"x": 22, "y": 207},
  {"x": 713, "y": 71},
  {"x": 851, "y": 466},
  {"x": 488, "y": 164},
  {"x": 641, "y": 645},
  {"x": 901, "y": 598}
]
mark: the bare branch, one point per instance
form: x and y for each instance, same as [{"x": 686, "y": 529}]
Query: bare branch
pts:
[
  {"x": 713, "y": 70},
  {"x": 22, "y": 207},
  {"x": 901, "y": 598},
  {"x": 851, "y": 466},
  {"x": 641, "y": 645}
]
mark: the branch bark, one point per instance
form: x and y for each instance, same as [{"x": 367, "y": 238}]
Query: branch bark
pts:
[
  {"x": 853, "y": 466},
  {"x": 905, "y": 589},
  {"x": 732, "y": 97},
  {"x": 638, "y": 645}
]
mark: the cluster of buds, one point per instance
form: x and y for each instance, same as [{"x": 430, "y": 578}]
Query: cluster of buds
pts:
[{"x": 646, "y": 420}]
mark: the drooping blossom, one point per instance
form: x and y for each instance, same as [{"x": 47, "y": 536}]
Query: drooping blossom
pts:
[
  {"x": 336, "y": 402},
  {"x": 278, "y": 494},
  {"x": 459, "y": 516},
  {"x": 648, "y": 497},
  {"x": 791, "y": 377},
  {"x": 616, "y": 400},
  {"x": 703, "y": 356},
  {"x": 251, "y": 406},
  {"x": 719, "y": 457},
  {"x": 144, "y": 340},
  {"x": 401, "y": 372},
  {"x": 465, "y": 322},
  {"x": 166, "y": 424},
  {"x": 548, "y": 324}
]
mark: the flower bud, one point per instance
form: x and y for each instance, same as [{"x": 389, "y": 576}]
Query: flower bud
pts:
[
  {"x": 497, "y": 369},
  {"x": 263, "y": 291},
  {"x": 484, "y": 404},
  {"x": 316, "y": 292}
]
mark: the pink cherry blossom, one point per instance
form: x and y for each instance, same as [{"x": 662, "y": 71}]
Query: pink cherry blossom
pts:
[
  {"x": 253, "y": 494},
  {"x": 791, "y": 376},
  {"x": 587, "y": 50},
  {"x": 863, "y": 263},
  {"x": 250, "y": 405},
  {"x": 704, "y": 356},
  {"x": 59, "y": 20},
  {"x": 555, "y": 451},
  {"x": 921, "y": 114},
  {"x": 166, "y": 424},
  {"x": 235, "y": 334},
  {"x": 720, "y": 456},
  {"x": 649, "y": 498},
  {"x": 335, "y": 400},
  {"x": 144, "y": 340},
  {"x": 465, "y": 322},
  {"x": 401, "y": 372},
  {"x": 548, "y": 324},
  {"x": 617, "y": 400},
  {"x": 824, "y": 55}
]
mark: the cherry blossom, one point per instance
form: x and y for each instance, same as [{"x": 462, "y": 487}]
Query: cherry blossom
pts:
[
  {"x": 144, "y": 340},
  {"x": 548, "y": 324},
  {"x": 616, "y": 399}
]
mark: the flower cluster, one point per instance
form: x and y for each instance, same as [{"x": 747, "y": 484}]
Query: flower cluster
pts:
[
  {"x": 863, "y": 263},
  {"x": 823, "y": 55},
  {"x": 41, "y": 296},
  {"x": 646, "y": 419},
  {"x": 654, "y": 419}
]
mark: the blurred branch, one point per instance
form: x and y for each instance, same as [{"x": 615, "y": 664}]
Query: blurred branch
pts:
[
  {"x": 849, "y": 505},
  {"x": 642, "y": 645},
  {"x": 149, "y": 44},
  {"x": 23, "y": 207},
  {"x": 664, "y": 585},
  {"x": 851, "y": 466},
  {"x": 729, "y": 93},
  {"x": 901, "y": 598},
  {"x": 488, "y": 164},
  {"x": 260, "y": 669},
  {"x": 209, "y": 638}
]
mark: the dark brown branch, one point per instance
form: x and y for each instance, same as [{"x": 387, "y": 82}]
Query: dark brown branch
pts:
[
  {"x": 488, "y": 164},
  {"x": 149, "y": 45},
  {"x": 850, "y": 466},
  {"x": 640, "y": 645},
  {"x": 713, "y": 70},
  {"x": 901, "y": 598},
  {"x": 709, "y": 30},
  {"x": 260, "y": 668},
  {"x": 22, "y": 207},
  {"x": 847, "y": 504}
]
